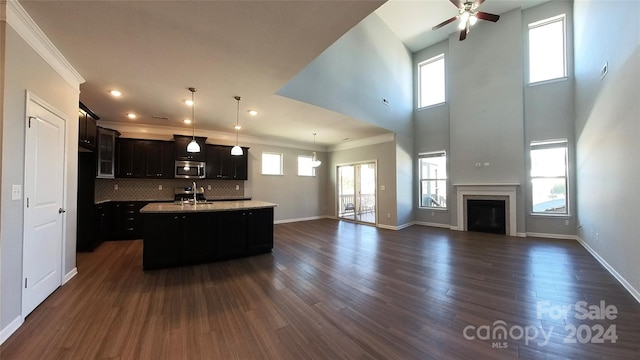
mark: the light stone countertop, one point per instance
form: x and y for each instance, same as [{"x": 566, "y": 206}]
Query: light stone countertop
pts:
[{"x": 172, "y": 208}]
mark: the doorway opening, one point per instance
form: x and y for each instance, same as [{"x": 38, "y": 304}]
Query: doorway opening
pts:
[{"x": 357, "y": 199}]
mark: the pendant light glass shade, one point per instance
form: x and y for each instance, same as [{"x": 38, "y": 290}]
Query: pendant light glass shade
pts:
[
  {"x": 314, "y": 158},
  {"x": 193, "y": 146},
  {"x": 237, "y": 150}
]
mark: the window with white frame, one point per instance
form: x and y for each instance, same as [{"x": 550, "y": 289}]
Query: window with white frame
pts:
[
  {"x": 547, "y": 49},
  {"x": 304, "y": 166},
  {"x": 549, "y": 168},
  {"x": 271, "y": 163},
  {"x": 431, "y": 79},
  {"x": 433, "y": 179}
]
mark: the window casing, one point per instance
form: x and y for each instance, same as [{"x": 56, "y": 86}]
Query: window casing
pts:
[
  {"x": 271, "y": 163},
  {"x": 547, "y": 49},
  {"x": 433, "y": 179},
  {"x": 549, "y": 177},
  {"x": 304, "y": 166},
  {"x": 431, "y": 81}
]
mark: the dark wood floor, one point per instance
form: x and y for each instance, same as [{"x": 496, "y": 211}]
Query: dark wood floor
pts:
[{"x": 333, "y": 290}]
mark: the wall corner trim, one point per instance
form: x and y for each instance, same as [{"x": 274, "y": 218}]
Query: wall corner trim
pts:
[
  {"x": 68, "y": 276},
  {"x": 633, "y": 291},
  {"x": 10, "y": 329},
  {"x": 23, "y": 24}
]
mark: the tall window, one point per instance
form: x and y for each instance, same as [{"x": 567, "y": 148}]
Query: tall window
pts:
[
  {"x": 304, "y": 166},
  {"x": 271, "y": 163},
  {"x": 433, "y": 179},
  {"x": 431, "y": 81},
  {"x": 547, "y": 49},
  {"x": 549, "y": 177}
]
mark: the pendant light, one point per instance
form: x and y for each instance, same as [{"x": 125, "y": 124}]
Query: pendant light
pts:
[
  {"x": 193, "y": 146},
  {"x": 314, "y": 159},
  {"x": 237, "y": 150}
]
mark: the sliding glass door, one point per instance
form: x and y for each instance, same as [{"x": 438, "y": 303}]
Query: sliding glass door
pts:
[{"x": 357, "y": 192}]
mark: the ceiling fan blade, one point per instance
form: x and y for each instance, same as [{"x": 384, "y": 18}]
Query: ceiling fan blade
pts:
[
  {"x": 477, "y": 3},
  {"x": 458, "y": 3},
  {"x": 445, "y": 23},
  {"x": 487, "y": 16}
]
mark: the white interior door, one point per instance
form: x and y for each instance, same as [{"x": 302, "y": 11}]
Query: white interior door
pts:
[{"x": 43, "y": 201}]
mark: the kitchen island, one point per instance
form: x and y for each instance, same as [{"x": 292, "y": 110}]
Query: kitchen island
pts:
[{"x": 177, "y": 234}]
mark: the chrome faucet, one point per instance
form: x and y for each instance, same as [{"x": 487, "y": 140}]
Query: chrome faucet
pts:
[{"x": 195, "y": 192}]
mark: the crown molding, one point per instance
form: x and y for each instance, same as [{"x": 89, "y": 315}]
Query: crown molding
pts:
[
  {"x": 23, "y": 24},
  {"x": 157, "y": 132}
]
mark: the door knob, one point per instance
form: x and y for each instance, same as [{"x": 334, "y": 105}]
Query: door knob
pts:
[{"x": 61, "y": 211}]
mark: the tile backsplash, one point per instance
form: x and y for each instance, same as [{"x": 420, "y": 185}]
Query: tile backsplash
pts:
[{"x": 149, "y": 189}]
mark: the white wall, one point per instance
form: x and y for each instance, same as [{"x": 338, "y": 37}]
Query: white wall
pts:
[
  {"x": 25, "y": 70},
  {"x": 351, "y": 77},
  {"x": 492, "y": 114},
  {"x": 607, "y": 131}
]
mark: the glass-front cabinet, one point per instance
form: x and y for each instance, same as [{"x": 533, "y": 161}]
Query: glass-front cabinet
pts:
[{"x": 106, "y": 153}]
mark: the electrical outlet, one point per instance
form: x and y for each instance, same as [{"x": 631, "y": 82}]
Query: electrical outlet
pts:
[
  {"x": 160, "y": 187},
  {"x": 115, "y": 187},
  {"x": 209, "y": 187},
  {"x": 382, "y": 187},
  {"x": 388, "y": 215},
  {"x": 566, "y": 222},
  {"x": 237, "y": 187}
]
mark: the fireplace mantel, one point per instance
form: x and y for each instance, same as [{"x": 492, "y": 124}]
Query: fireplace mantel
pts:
[{"x": 489, "y": 191}]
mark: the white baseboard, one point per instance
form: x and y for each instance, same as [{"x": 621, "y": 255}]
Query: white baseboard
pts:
[
  {"x": 284, "y": 221},
  {"x": 423, "y": 223},
  {"x": 10, "y": 329},
  {"x": 633, "y": 291},
  {"x": 551, "y": 236},
  {"x": 68, "y": 276}
]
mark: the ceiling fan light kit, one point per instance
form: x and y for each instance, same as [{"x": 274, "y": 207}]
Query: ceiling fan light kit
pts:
[{"x": 468, "y": 16}]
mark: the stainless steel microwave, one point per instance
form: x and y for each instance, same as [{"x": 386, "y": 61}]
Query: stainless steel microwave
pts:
[{"x": 190, "y": 169}]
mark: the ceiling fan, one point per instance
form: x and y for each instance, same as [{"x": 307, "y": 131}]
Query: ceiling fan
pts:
[{"x": 468, "y": 16}]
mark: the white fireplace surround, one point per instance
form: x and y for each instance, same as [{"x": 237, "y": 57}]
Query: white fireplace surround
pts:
[{"x": 488, "y": 192}]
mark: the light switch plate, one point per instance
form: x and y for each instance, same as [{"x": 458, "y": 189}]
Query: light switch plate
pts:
[{"x": 16, "y": 192}]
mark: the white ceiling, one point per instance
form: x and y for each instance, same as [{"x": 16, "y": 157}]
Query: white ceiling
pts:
[{"x": 153, "y": 51}]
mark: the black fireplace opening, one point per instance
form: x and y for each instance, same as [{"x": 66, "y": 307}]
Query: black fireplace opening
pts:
[{"x": 486, "y": 216}]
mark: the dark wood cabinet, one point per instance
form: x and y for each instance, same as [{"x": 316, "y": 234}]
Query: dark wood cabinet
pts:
[
  {"x": 85, "y": 229},
  {"x": 127, "y": 224},
  {"x": 180, "y": 148},
  {"x": 224, "y": 166},
  {"x": 87, "y": 126},
  {"x": 196, "y": 237},
  {"x": 159, "y": 160},
  {"x": 232, "y": 237},
  {"x": 130, "y": 154},
  {"x": 106, "y": 153},
  {"x": 138, "y": 158},
  {"x": 103, "y": 222},
  {"x": 260, "y": 231}
]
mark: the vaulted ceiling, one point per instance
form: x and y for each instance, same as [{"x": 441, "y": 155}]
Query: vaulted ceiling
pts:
[{"x": 153, "y": 51}]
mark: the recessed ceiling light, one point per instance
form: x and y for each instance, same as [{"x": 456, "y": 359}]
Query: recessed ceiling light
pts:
[
  {"x": 189, "y": 102},
  {"x": 115, "y": 93},
  {"x": 187, "y": 121},
  {"x": 253, "y": 112},
  {"x": 131, "y": 115},
  {"x": 237, "y": 127}
]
